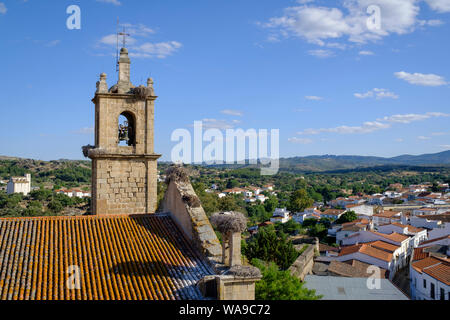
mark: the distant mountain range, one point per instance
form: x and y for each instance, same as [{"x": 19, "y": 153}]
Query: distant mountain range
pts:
[
  {"x": 332, "y": 162},
  {"x": 297, "y": 164}
]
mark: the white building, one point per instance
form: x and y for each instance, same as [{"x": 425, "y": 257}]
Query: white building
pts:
[
  {"x": 378, "y": 253},
  {"x": 417, "y": 234},
  {"x": 361, "y": 210},
  {"x": 261, "y": 197},
  {"x": 430, "y": 279},
  {"x": 400, "y": 240},
  {"x": 309, "y": 213},
  {"x": 19, "y": 185},
  {"x": 280, "y": 215},
  {"x": 386, "y": 217}
]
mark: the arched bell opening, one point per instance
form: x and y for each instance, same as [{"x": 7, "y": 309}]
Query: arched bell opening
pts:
[{"x": 127, "y": 129}]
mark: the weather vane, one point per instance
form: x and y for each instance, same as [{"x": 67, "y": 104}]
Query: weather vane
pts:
[{"x": 124, "y": 42}]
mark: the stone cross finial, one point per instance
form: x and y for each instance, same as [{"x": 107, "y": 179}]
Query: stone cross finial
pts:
[
  {"x": 102, "y": 86},
  {"x": 150, "y": 86}
]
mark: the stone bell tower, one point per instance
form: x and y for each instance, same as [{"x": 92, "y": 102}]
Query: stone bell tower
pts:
[{"x": 123, "y": 161}]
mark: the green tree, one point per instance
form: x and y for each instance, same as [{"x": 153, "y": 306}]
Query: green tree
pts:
[
  {"x": 348, "y": 216},
  {"x": 270, "y": 204},
  {"x": 299, "y": 201},
  {"x": 34, "y": 209},
  {"x": 227, "y": 203},
  {"x": 55, "y": 206},
  {"x": 268, "y": 245},
  {"x": 280, "y": 285},
  {"x": 291, "y": 227},
  {"x": 232, "y": 183}
]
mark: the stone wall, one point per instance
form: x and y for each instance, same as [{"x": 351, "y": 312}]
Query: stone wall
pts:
[
  {"x": 124, "y": 186},
  {"x": 108, "y": 108},
  {"x": 193, "y": 221},
  {"x": 303, "y": 265}
]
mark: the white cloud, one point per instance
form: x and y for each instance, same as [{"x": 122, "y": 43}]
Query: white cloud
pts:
[
  {"x": 377, "y": 93},
  {"x": 366, "y": 127},
  {"x": 232, "y": 112},
  {"x": 138, "y": 47},
  {"x": 412, "y": 117},
  {"x": 3, "y": 8},
  {"x": 87, "y": 130},
  {"x": 399, "y": 140},
  {"x": 314, "y": 98},
  {"x": 319, "y": 24},
  {"x": 420, "y": 79},
  {"x": 300, "y": 140},
  {"x": 445, "y": 146},
  {"x": 159, "y": 50},
  {"x": 114, "y": 2},
  {"x": 366, "y": 53},
  {"x": 372, "y": 126},
  {"x": 423, "y": 138},
  {"x": 111, "y": 40},
  {"x": 53, "y": 43},
  {"x": 438, "y": 134},
  {"x": 320, "y": 53},
  {"x": 439, "y": 5},
  {"x": 218, "y": 124},
  {"x": 138, "y": 30}
]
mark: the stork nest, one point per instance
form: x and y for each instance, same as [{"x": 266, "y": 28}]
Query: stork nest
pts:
[
  {"x": 244, "y": 272},
  {"x": 141, "y": 93},
  {"x": 177, "y": 174},
  {"x": 86, "y": 149},
  {"x": 229, "y": 222},
  {"x": 191, "y": 200}
]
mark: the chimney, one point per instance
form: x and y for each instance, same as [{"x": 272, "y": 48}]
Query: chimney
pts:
[
  {"x": 230, "y": 225},
  {"x": 238, "y": 281}
]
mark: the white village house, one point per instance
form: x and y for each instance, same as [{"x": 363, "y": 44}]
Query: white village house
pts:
[{"x": 19, "y": 185}]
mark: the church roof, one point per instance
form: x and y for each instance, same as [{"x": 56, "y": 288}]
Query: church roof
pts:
[{"x": 119, "y": 257}]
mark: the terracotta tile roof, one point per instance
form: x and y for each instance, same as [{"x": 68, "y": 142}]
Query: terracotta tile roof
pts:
[
  {"x": 367, "y": 250},
  {"x": 350, "y": 249},
  {"x": 419, "y": 254},
  {"x": 349, "y": 270},
  {"x": 333, "y": 212},
  {"x": 440, "y": 272},
  {"x": 383, "y": 245},
  {"x": 120, "y": 257},
  {"x": 325, "y": 247},
  {"x": 386, "y": 214},
  {"x": 363, "y": 266},
  {"x": 434, "y": 240},
  {"x": 393, "y": 236},
  {"x": 376, "y": 253},
  {"x": 436, "y": 268}
]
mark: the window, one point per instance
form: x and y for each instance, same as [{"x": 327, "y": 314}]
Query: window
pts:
[
  {"x": 424, "y": 283},
  {"x": 442, "y": 294},
  {"x": 432, "y": 291},
  {"x": 127, "y": 129}
]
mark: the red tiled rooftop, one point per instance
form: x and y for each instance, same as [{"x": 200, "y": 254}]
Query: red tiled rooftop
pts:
[
  {"x": 436, "y": 268},
  {"x": 120, "y": 257}
]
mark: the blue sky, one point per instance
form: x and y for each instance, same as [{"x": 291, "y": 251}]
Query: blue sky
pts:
[{"x": 309, "y": 68}]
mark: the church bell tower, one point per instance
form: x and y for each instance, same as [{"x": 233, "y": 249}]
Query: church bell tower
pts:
[{"x": 124, "y": 169}]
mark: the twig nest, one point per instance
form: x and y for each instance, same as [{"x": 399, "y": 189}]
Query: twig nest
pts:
[
  {"x": 244, "y": 272},
  {"x": 227, "y": 222},
  {"x": 177, "y": 174},
  {"x": 191, "y": 200},
  {"x": 141, "y": 92},
  {"x": 86, "y": 150}
]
